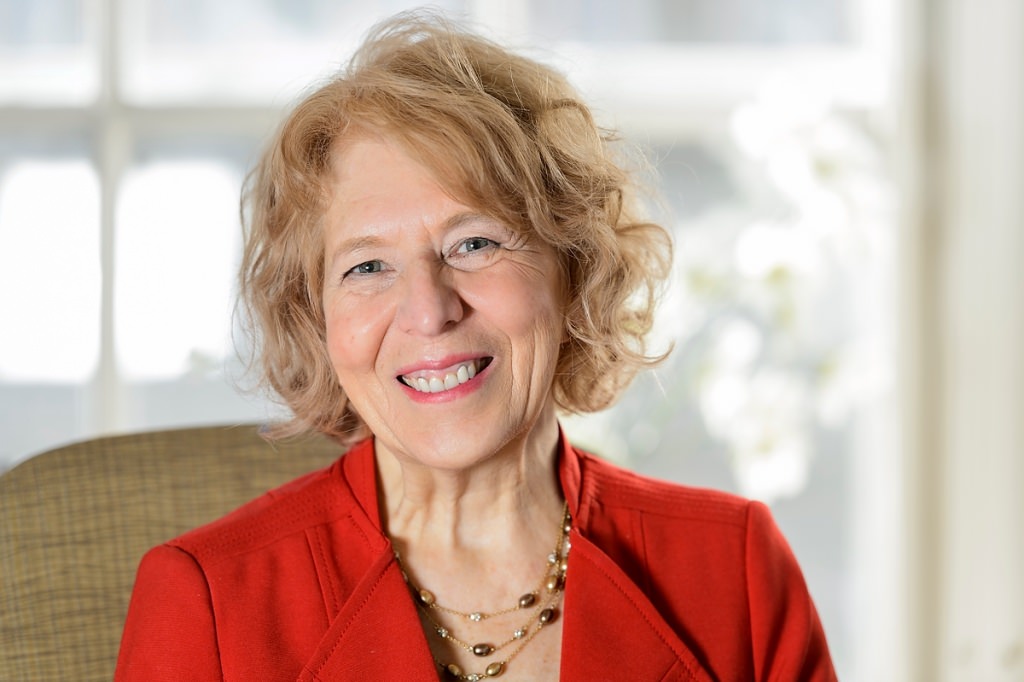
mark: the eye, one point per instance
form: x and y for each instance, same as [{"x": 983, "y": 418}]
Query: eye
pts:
[
  {"x": 368, "y": 268},
  {"x": 474, "y": 244}
]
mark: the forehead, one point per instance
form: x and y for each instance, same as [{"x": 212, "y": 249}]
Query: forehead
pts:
[
  {"x": 383, "y": 184},
  {"x": 374, "y": 180},
  {"x": 451, "y": 164},
  {"x": 437, "y": 159}
]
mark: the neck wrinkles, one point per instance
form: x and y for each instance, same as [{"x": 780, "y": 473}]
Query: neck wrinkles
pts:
[{"x": 499, "y": 499}]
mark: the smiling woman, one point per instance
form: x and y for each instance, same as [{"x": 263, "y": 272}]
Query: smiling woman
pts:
[
  {"x": 515, "y": 144},
  {"x": 443, "y": 256},
  {"x": 448, "y": 291}
]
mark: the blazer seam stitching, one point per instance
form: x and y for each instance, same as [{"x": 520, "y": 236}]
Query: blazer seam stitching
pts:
[
  {"x": 362, "y": 605},
  {"x": 647, "y": 620},
  {"x": 315, "y": 537},
  {"x": 746, "y": 586},
  {"x": 209, "y": 597}
]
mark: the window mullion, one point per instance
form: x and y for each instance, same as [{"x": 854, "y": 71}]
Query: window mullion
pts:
[{"x": 113, "y": 139}]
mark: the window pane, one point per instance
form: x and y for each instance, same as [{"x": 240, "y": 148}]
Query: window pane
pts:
[
  {"x": 178, "y": 245},
  {"x": 240, "y": 50},
  {"x": 177, "y": 236},
  {"x": 693, "y": 21},
  {"x": 193, "y": 400},
  {"x": 49, "y": 270},
  {"x": 45, "y": 54},
  {"x": 37, "y": 417},
  {"x": 50, "y": 292}
]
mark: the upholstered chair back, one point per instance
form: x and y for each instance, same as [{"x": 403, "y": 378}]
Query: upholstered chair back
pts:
[{"x": 75, "y": 521}]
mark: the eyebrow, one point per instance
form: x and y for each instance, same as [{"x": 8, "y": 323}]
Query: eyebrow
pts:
[
  {"x": 460, "y": 219},
  {"x": 353, "y": 244}
]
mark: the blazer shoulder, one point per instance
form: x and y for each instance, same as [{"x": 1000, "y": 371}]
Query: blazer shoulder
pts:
[
  {"x": 612, "y": 486},
  {"x": 313, "y": 499}
]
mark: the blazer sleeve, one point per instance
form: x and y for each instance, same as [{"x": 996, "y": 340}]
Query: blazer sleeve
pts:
[
  {"x": 170, "y": 632},
  {"x": 787, "y": 635}
]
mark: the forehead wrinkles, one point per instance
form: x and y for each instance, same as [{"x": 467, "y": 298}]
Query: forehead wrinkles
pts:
[{"x": 456, "y": 168}]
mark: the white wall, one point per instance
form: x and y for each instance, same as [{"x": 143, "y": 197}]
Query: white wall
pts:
[{"x": 964, "y": 350}]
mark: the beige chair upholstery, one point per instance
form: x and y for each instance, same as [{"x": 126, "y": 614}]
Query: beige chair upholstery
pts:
[{"x": 75, "y": 521}]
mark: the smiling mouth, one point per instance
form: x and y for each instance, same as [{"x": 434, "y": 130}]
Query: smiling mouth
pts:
[{"x": 444, "y": 380}]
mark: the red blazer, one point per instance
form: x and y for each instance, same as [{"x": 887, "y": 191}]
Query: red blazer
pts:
[{"x": 664, "y": 583}]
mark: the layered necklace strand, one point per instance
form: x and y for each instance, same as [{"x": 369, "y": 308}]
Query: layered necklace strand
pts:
[{"x": 541, "y": 603}]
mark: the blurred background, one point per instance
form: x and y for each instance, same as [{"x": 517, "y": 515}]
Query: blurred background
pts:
[{"x": 844, "y": 182}]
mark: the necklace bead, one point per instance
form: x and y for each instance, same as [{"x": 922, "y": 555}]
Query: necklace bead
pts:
[
  {"x": 527, "y": 600},
  {"x": 482, "y": 649}
]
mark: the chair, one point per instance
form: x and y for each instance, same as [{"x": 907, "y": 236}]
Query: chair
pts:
[{"x": 75, "y": 521}]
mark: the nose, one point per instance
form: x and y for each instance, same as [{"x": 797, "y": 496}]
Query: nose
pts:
[{"x": 429, "y": 304}]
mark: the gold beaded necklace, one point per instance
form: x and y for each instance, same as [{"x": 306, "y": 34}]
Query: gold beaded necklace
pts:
[{"x": 543, "y": 610}]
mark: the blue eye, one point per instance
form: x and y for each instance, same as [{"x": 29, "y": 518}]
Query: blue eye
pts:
[
  {"x": 475, "y": 244},
  {"x": 368, "y": 268}
]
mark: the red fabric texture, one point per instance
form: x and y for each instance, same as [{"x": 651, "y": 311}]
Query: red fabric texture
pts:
[{"x": 664, "y": 583}]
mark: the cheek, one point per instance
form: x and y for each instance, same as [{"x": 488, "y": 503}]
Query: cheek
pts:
[
  {"x": 523, "y": 300},
  {"x": 542, "y": 314},
  {"x": 354, "y": 335}
]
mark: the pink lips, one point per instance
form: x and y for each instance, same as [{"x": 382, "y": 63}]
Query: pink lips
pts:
[{"x": 443, "y": 380}]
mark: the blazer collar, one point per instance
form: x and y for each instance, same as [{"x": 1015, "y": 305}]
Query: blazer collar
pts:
[
  {"x": 608, "y": 621},
  {"x": 612, "y": 630},
  {"x": 376, "y": 635}
]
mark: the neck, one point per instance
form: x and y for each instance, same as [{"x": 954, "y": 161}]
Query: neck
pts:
[
  {"x": 501, "y": 500},
  {"x": 477, "y": 539}
]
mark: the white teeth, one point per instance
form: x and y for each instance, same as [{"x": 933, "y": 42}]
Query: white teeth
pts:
[{"x": 450, "y": 380}]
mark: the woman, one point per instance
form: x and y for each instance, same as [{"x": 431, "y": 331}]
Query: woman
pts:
[{"x": 441, "y": 257}]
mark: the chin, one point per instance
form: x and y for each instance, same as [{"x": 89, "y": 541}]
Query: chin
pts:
[{"x": 446, "y": 449}]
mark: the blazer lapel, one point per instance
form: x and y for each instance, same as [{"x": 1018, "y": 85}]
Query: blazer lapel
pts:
[
  {"x": 376, "y": 635},
  {"x": 612, "y": 631}
]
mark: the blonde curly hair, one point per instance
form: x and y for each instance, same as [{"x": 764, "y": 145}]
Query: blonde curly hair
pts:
[{"x": 518, "y": 143}]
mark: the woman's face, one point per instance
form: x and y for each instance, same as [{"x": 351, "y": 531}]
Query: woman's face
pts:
[{"x": 443, "y": 325}]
